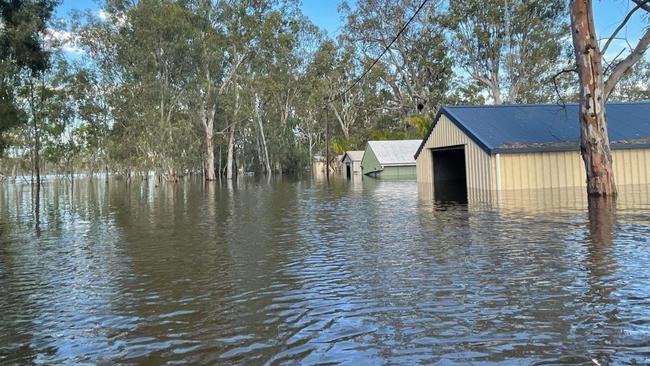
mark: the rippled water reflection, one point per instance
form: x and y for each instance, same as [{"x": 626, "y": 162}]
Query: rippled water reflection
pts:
[{"x": 301, "y": 272}]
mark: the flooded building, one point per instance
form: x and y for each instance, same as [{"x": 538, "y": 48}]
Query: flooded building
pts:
[
  {"x": 513, "y": 147},
  {"x": 391, "y": 158},
  {"x": 352, "y": 163}
]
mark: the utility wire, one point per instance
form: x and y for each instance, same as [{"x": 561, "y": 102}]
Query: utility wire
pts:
[{"x": 382, "y": 54}]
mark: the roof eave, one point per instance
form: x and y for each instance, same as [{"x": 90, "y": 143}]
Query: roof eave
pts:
[{"x": 523, "y": 150}]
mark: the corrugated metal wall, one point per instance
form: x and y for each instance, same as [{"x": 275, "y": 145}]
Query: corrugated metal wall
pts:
[
  {"x": 566, "y": 169},
  {"x": 477, "y": 162},
  {"x": 541, "y": 170},
  {"x": 526, "y": 170},
  {"x": 398, "y": 171},
  {"x": 631, "y": 166}
]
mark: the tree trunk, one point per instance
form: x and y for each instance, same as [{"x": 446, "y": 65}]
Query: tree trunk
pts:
[
  {"x": 231, "y": 150},
  {"x": 220, "y": 168},
  {"x": 594, "y": 140},
  {"x": 267, "y": 162},
  {"x": 230, "y": 163},
  {"x": 209, "y": 155}
]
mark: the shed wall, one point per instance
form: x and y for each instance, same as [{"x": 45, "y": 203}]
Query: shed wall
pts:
[
  {"x": 478, "y": 164},
  {"x": 397, "y": 171},
  {"x": 566, "y": 169},
  {"x": 369, "y": 163}
]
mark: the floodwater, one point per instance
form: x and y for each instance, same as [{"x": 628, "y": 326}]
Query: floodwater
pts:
[{"x": 301, "y": 272}]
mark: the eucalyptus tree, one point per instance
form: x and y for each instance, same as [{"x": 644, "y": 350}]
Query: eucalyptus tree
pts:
[
  {"x": 153, "y": 64},
  {"x": 223, "y": 36},
  {"x": 278, "y": 80},
  {"x": 246, "y": 26},
  {"x": 509, "y": 47},
  {"x": 416, "y": 68},
  {"x": 23, "y": 57},
  {"x": 339, "y": 66},
  {"x": 596, "y": 86}
]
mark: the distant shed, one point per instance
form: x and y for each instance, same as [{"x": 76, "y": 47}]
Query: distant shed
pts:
[
  {"x": 510, "y": 147},
  {"x": 352, "y": 163},
  {"x": 392, "y": 158}
]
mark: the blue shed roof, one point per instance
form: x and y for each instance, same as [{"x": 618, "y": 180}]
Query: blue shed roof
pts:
[{"x": 551, "y": 127}]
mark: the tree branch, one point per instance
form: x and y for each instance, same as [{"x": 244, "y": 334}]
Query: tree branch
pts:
[
  {"x": 645, "y": 5},
  {"x": 640, "y": 4},
  {"x": 622, "y": 67},
  {"x": 557, "y": 90}
]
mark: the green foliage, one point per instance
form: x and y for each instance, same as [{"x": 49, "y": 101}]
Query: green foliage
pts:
[
  {"x": 421, "y": 122},
  {"x": 376, "y": 135},
  {"x": 165, "y": 81},
  {"x": 511, "y": 48},
  {"x": 22, "y": 26},
  {"x": 340, "y": 145}
]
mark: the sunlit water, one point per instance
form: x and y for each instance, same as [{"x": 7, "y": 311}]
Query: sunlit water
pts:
[{"x": 300, "y": 272}]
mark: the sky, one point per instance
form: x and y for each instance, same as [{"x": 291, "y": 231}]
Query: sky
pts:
[{"x": 608, "y": 14}]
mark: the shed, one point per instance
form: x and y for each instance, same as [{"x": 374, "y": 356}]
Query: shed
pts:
[
  {"x": 477, "y": 150},
  {"x": 390, "y": 158},
  {"x": 352, "y": 163}
]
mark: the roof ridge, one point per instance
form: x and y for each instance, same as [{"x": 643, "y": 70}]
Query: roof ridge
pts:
[{"x": 535, "y": 105}]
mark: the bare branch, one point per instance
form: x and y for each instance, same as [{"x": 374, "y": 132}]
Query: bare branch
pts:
[
  {"x": 640, "y": 4},
  {"x": 554, "y": 79},
  {"x": 610, "y": 65},
  {"x": 644, "y": 4},
  {"x": 622, "y": 67}
]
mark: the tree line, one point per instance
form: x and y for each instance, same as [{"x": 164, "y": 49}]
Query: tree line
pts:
[{"x": 217, "y": 87}]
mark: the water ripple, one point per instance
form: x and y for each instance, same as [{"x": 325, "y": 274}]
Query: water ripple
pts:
[{"x": 301, "y": 272}]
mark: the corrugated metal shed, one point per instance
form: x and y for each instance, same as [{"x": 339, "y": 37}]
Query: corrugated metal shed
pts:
[
  {"x": 395, "y": 152},
  {"x": 523, "y": 147},
  {"x": 544, "y": 128}
]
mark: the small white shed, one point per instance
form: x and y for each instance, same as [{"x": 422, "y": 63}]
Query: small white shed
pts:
[{"x": 352, "y": 163}]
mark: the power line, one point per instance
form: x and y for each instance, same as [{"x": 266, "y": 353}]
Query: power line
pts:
[{"x": 382, "y": 54}]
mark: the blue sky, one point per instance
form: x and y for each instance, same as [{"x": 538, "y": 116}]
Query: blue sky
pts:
[{"x": 608, "y": 14}]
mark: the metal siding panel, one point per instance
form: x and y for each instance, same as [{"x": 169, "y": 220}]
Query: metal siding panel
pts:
[{"x": 477, "y": 162}]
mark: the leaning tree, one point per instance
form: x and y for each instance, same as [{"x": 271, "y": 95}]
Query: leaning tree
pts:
[{"x": 596, "y": 87}]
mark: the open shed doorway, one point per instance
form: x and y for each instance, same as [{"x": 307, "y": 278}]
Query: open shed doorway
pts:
[
  {"x": 348, "y": 171},
  {"x": 449, "y": 175}
]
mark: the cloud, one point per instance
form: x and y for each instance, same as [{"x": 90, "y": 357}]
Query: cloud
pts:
[
  {"x": 118, "y": 19},
  {"x": 62, "y": 39},
  {"x": 103, "y": 15}
]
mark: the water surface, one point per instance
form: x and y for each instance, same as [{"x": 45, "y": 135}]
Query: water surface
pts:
[{"x": 298, "y": 271}]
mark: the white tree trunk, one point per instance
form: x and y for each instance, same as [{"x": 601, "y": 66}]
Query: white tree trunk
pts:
[{"x": 231, "y": 151}]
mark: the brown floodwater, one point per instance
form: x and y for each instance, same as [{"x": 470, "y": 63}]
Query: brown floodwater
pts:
[{"x": 295, "y": 271}]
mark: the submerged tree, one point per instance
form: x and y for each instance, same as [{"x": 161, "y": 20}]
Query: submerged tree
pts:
[
  {"x": 22, "y": 54},
  {"x": 596, "y": 88}
]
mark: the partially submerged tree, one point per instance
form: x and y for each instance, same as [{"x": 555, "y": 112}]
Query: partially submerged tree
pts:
[
  {"x": 22, "y": 53},
  {"x": 596, "y": 88}
]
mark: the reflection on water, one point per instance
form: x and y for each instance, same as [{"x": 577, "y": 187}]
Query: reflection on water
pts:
[{"x": 289, "y": 271}]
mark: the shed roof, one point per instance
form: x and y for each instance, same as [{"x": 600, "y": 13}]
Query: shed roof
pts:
[
  {"x": 354, "y": 155},
  {"x": 544, "y": 127},
  {"x": 395, "y": 152}
]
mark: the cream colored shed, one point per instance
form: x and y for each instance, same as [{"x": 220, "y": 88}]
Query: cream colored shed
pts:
[
  {"x": 474, "y": 151},
  {"x": 352, "y": 163}
]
